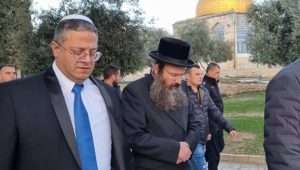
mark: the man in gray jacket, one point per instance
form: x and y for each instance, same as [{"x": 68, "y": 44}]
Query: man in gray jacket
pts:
[
  {"x": 204, "y": 106},
  {"x": 282, "y": 120}
]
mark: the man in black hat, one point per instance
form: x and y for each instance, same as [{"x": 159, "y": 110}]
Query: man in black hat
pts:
[{"x": 158, "y": 122}]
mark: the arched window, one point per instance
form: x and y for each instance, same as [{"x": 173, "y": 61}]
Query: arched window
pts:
[
  {"x": 242, "y": 34},
  {"x": 218, "y": 32}
]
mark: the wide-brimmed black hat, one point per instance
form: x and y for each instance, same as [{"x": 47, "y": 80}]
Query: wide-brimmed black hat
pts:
[{"x": 173, "y": 51}]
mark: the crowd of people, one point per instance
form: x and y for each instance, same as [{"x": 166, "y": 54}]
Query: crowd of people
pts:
[{"x": 65, "y": 119}]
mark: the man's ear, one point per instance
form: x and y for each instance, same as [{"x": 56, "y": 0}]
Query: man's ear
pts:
[
  {"x": 55, "y": 49},
  {"x": 155, "y": 69}
]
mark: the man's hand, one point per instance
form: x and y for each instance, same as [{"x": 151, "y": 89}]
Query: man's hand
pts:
[
  {"x": 208, "y": 137},
  {"x": 184, "y": 152},
  {"x": 233, "y": 134}
]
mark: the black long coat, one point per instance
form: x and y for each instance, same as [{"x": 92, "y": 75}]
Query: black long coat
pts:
[
  {"x": 155, "y": 135},
  {"x": 36, "y": 131},
  {"x": 216, "y": 130},
  {"x": 282, "y": 120}
]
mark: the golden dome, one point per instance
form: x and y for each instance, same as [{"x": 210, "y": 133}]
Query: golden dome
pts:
[{"x": 212, "y": 7}]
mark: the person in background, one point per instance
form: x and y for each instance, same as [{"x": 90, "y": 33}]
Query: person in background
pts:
[
  {"x": 205, "y": 107},
  {"x": 112, "y": 77},
  {"x": 7, "y": 73},
  {"x": 216, "y": 144}
]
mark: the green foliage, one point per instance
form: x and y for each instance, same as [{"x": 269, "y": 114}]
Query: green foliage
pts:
[
  {"x": 245, "y": 103},
  {"x": 119, "y": 39},
  {"x": 15, "y": 28},
  {"x": 151, "y": 37},
  {"x": 275, "y": 38},
  {"x": 204, "y": 48},
  {"x": 41, "y": 56},
  {"x": 220, "y": 51},
  {"x": 119, "y": 34}
]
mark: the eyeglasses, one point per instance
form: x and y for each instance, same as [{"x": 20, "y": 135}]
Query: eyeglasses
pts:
[{"x": 80, "y": 53}]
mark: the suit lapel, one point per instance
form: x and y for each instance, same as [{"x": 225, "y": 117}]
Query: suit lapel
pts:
[{"x": 61, "y": 111}]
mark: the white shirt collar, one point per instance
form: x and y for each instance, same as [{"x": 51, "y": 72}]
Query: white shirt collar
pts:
[{"x": 64, "y": 81}]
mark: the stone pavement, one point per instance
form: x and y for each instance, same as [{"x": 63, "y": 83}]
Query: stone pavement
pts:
[{"x": 224, "y": 165}]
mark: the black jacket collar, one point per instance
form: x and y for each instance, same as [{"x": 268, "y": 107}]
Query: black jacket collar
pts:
[{"x": 210, "y": 80}]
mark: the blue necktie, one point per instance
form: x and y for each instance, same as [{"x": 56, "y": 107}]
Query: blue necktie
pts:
[{"x": 83, "y": 132}]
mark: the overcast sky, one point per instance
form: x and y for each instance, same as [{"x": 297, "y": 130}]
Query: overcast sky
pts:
[{"x": 164, "y": 12}]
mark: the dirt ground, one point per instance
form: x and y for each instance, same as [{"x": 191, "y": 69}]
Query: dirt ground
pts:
[
  {"x": 240, "y": 144},
  {"x": 228, "y": 89}
]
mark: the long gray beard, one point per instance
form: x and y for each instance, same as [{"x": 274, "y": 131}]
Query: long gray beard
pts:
[{"x": 167, "y": 99}]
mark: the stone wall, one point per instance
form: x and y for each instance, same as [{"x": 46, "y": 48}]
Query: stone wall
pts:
[
  {"x": 241, "y": 65},
  {"x": 245, "y": 68}
]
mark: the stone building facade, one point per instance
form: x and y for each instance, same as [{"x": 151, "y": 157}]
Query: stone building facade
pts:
[{"x": 227, "y": 20}]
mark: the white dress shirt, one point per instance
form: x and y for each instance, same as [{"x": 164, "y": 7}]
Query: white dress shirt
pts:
[{"x": 97, "y": 112}]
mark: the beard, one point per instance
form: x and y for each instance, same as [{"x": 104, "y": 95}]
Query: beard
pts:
[
  {"x": 115, "y": 84},
  {"x": 166, "y": 98}
]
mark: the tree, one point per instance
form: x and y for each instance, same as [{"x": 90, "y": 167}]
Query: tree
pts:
[
  {"x": 220, "y": 51},
  {"x": 151, "y": 37},
  {"x": 275, "y": 38},
  {"x": 122, "y": 43},
  {"x": 119, "y": 34},
  {"x": 204, "y": 47},
  {"x": 16, "y": 30}
]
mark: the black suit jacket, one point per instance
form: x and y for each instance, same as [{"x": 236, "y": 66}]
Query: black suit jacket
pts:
[
  {"x": 282, "y": 119},
  {"x": 155, "y": 135},
  {"x": 36, "y": 131}
]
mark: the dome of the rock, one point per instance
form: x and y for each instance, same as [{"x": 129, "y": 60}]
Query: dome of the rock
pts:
[{"x": 213, "y": 7}]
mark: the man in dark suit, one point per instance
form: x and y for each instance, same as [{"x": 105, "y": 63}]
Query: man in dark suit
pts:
[
  {"x": 216, "y": 143},
  {"x": 63, "y": 119},
  {"x": 282, "y": 117},
  {"x": 159, "y": 125}
]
